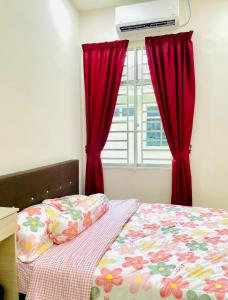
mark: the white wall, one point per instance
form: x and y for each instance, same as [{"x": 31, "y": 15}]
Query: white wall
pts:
[
  {"x": 40, "y": 113},
  {"x": 209, "y": 157}
]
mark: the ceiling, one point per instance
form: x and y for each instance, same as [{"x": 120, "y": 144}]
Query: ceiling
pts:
[{"x": 84, "y": 5}]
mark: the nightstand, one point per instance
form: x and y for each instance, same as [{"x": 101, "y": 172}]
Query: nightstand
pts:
[{"x": 8, "y": 269}]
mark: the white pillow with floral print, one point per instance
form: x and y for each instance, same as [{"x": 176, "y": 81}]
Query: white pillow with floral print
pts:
[
  {"x": 80, "y": 215},
  {"x": 32, "y": 231},
  {"x": 72, "y": 201},
  {"x": 66, "y": 202}
]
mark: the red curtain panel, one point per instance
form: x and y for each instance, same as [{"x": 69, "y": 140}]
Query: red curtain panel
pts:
[
  {"x": 103, "y": 67},
  {"x": 171, "y": 64}
]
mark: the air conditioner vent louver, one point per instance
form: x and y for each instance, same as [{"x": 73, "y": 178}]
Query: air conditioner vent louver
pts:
[
  {"x": 151, "y": 16},
  {"x": 148, "y": 25}
]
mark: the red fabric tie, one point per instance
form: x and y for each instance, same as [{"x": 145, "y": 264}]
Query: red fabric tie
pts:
[
  {"x": 183, "y": 154},
  {"x": 93, "y": 154}
]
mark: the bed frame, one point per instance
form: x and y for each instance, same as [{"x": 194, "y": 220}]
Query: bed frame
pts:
[{"x": 31, "y": 187}]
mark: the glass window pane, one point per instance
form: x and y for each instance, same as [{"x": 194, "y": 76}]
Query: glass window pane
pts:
[
  {"x": 113, "y": 161},
  {"x": 128, "y": 111},
  {"x": 131, "y": 65},
  {"x": 152, "y": 111},
  {"x": 153, "y": 138},
  {"x": 116, "y": 145},
  {"x": 153, "y": 125},
  {"x": 122, "y": 96},
  {"x": 139, "y": 64},
  {"x": 117, "y": 112},
  {"x": 123, "y": 90},
  {"x": 131, "y": 149},
  {"x": 124, "y": 74},
  {"x": 146, "y": 76},
  {"x": 122, "y": 154},
  {"x": 117, "y": 136},
  {"x": 131, "y": 95},
  {"x": 148, "y": 94},
  {"x": 145, "y": 59},
  {"x": 164, "y": 140},
  {"x": 120, "y": 126},
  {"x": 146, "y": 72},
  {"x": 146, "y": 69}
]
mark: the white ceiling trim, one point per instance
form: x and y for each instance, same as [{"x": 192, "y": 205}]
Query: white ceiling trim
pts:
[{"x": 85, "y": 5}]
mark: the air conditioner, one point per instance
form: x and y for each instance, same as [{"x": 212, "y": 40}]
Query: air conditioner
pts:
[{"x": 156, "y": 14}]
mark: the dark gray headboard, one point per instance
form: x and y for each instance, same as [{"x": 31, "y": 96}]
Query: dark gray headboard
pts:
[{"x": 30, "y": 187}]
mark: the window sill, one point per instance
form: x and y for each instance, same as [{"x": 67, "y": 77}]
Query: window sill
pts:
[{"x": 167, "y": 167}]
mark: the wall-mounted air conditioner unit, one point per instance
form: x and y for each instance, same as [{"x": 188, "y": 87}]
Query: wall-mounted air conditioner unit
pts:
[{"x": 155, "y": 14}]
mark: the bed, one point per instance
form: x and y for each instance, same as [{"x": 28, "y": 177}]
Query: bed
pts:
[{"x": 157, "y": 251}]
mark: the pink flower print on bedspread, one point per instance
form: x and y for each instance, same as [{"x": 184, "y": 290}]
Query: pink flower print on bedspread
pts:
[
  {"x": 134, "y": 234},
  {"x": 185, "y": 238},
  {"x": 136, "y": 262},
  {"x": 188, "y": 257},
  {"x": 219, "y": 287},
  {"x": 222, "y": 232},
  {"x": 151, "y": 226},
  {"x": 160, "y": 256},
  {"x": 138, "y": 281},
  {"x": 215, "y": 257},
  {"x": 109, "y": 278},
  {"x": 173, "y": 287}
]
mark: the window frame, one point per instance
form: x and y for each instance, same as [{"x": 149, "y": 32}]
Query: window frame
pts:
[{"x": 135, "y": 84}]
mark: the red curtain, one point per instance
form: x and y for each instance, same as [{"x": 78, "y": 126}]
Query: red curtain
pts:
[
  {"x": 103, "y": 67},
  {"x": 171, "y": 64}
]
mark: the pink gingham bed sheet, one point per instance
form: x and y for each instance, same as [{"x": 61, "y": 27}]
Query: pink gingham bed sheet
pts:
[{"x": 65, "y": 272}]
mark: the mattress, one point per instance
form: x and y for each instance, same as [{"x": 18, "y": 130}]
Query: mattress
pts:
[
  {"x": 163, "y": 251},
  {"x": 24, "y": 272}
]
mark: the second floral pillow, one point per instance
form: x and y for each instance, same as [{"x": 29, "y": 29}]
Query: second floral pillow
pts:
[{"x": 69, "y": 223}]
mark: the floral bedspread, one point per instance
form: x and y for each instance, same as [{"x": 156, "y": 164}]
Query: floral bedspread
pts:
[{"x": 167, "y": 251}]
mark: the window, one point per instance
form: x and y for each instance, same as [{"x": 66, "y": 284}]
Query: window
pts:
[{"x": 136, "y": 137}]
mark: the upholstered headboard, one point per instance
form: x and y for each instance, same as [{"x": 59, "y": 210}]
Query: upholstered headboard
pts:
[{"x": 30, "y": 187}]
